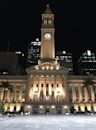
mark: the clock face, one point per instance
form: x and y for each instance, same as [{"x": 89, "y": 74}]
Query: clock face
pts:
[{"x": 47, "y": 35}]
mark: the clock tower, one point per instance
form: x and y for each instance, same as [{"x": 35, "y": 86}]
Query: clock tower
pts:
[{"x": 47, "y": 36}]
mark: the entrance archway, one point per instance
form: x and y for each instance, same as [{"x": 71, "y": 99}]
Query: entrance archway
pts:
[
  {"x": 15, "y": 109},
  {"x": 47, "y": 110},
  {"x": 59, "y": 109},
  {"x": 35, "y": 109}
]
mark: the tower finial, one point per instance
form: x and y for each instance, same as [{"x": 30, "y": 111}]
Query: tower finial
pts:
[
  {"x": 48, "y": 10},
  {"x": 48, "y": 6}
]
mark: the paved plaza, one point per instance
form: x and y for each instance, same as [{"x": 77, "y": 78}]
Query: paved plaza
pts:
[{"x": 48, "y": 122}]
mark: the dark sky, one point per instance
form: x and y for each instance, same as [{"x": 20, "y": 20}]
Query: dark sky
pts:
[{"x": 75, "y": 25}]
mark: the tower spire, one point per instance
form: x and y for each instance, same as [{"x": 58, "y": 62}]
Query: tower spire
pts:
[
  {"x": 48, "y": 10},
  {"x": 47, "y": 35},
  {"x": 47, "y": 6}
]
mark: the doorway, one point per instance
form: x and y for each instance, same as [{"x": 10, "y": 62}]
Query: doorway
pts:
[
  {"x": 35, "y": 109},
  {"x": 47, "y": 110}
]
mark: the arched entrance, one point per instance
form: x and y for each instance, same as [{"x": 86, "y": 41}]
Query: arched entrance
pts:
[
  {"x": 47, "y": 110},
  {"x": 59, "y": 109},
  {"x": 15, "y": 109},
  {"x": 35, "y": 109}
]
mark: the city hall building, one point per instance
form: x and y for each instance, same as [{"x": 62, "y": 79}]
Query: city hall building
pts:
[{"x": 47, "y": 87}]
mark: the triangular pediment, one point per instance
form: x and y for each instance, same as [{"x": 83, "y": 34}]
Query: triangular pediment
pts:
[{"x": 47, "y": 66}]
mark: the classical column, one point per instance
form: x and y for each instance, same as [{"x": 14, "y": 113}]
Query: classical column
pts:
[
  {"x": 80, "y": 93},
  {"x": 8, "y": 95},
  {"x": 50, "y": 88},
  {"x": 20, "y": 94},
  {"x": 73, "y": 94},
  {"x": 34, "y": 91},
  {"x": 63, "y": 91},
  {"x": 2, "y": 94},
  {"x": 28, "y": 89},
  {"x": 39, "y": 87},
  {"x": 92, "y": 94},
  {"x": 14, "y": 95},
  {"x": 45, "y": 88},
  {"x": 55, "y": 86},
  {"x": 67, "y": 93},
  {"x": 89, "y": 92},
  {"x": 86, "y": 94}
]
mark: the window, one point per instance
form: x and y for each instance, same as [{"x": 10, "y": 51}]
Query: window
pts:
[
  {"x": 42, "y": 85},
  {"x": 45, "y": 21},
  {"x": 47, "y": 85},
  {"x": 49, "y": 21}
]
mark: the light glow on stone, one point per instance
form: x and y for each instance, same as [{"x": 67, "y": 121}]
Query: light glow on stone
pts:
[
  {"x": 28, "y": 107},
  {"x": 53, "y": 107},
  {"x": 41, "y": 106}
]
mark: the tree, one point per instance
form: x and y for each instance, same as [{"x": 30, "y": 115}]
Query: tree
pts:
[
  {"x": 1, "y": 108},
  {"x": 72, "y": 109},
  {"x": 88, "y": 82},
  {"x": 6, "y": 85}
]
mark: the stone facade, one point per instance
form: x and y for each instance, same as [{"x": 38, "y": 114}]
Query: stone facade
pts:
[{"x": 47, "y": 87}]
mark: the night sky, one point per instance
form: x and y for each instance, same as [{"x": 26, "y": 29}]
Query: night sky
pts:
[{"x": 75, "y": 25}]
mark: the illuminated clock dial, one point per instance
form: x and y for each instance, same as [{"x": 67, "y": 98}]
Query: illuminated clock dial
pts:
[{"x": 47, "y": 35}]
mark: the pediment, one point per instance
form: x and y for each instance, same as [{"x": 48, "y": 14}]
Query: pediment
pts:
[{"x": 52, "y": 66}]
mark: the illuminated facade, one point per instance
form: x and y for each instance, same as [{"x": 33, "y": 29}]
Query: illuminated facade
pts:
[{"x": 47, "y": 87}]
